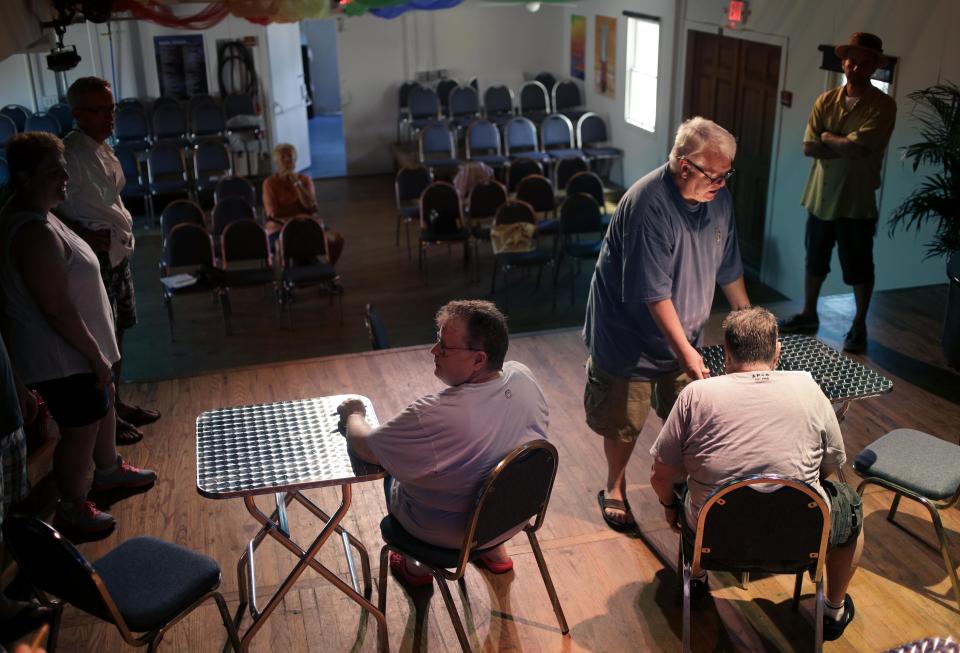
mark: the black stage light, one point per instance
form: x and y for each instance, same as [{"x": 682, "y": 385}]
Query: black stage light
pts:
[{"x": 62, "y": 58}]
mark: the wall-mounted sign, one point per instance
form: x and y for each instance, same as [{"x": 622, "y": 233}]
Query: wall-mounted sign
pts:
[{"x": 181, "y": 65}]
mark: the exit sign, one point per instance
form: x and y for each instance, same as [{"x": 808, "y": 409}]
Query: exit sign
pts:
[{"x": 737, "y": 13}]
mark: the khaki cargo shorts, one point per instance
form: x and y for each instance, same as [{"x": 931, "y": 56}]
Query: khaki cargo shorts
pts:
[{"x": 616, "y": 408}]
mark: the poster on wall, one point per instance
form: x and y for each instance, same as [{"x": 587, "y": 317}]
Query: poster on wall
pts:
[
  {"x": 578, "y": 46},
  {"x": 605, "y": 61},
  {"x": 181, "y": 65}
]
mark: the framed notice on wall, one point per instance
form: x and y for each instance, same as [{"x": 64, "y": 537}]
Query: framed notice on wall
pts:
[
  {"x": 181, "y": 65},
  {"x": 605, "y": 61},
  {"x": 578, "y": 46}
]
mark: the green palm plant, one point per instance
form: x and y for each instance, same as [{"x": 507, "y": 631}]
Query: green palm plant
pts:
[{"x": 937, "y": 199}]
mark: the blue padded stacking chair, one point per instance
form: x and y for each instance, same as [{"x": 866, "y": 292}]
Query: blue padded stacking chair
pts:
[
  {"x": 229, "y": 210},
  {"x": 211, "y": 162},
  {"x": 547, "y": 79},
  {"x": 482, "y": 206},
  {"x": 424, "y": 108},
  {"x": 18, "y": 114},
  {"x": 64, "y": 116},
  {"x": 444, "y": 88},
  {"x": 235, "y": 187},
  {"x": 304, "y": 260},
  {"x": 409, "y": 184},
  {"x": 164, "y": 101},
  {"x": 593, "y": 139},
  {"x": 403, "y": 108},
  {"x": 437, "y": 147},
  {"x": 579, "y": 217},
  {"x": 534, "y": 101},
  {"x": 520, "y": 136},
  {"x": 591, "y": 184},
  {"x": 464, "y": 106},
  {"x": 375, "y": 328},
  {"x": 245, "y": 262},
  {"x": 206, "y": 120},
  {"x": 167, "y": 170},
  {"x": 441, "y": 222},
  {"x": 135, "y": 182},
  {"x": 180, "y": 212},
  {"x": 567, "y": 168},
  {"x": 43, "y": 122},
  {"x": 534, "y": 257},
  {"x": 131, "y": 126},
  {"x": 566, "y": 99},
  {"x": 483, "y": 144},
  {"x": 144, "y": 585},
  {"x": 556, "y": 135},
  {"x": 538, "y": 192},
  {"x": 498, "y": 104},
  {"x": 7, "y": 129},
  {"x": 132, "y": 102},
  {"x": 521, "y": 168},
  {"x": 4, "y": 172},
  {"x": 187, "y": 246},
  {"x": 170, "y": 123}
]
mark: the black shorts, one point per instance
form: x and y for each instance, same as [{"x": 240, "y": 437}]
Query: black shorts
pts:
[
  {"x": 119, "y": 284},
  {"x": 74, "y": 401},
  {"x": 854, "y": 239}
]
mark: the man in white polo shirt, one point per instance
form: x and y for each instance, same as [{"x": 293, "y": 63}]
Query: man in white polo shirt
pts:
[{"x": 96, "y": 212}]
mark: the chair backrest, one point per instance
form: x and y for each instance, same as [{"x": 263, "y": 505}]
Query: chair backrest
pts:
[
  {"x": 435, "y": 138},
  {"x": 188, "y": 244},
  {"x": 515, "y": 211},
  {"x": 779, "y": 527},
  {"x": 165, "y": 101},
  {"x": 497, "y": 100},
  {"x": 238, "y": 104},
  {"x": 130, "y": 123},
  {"x": 547, "y": 79},
  {"x": 43, "y": 122},
  {"x": 375, "y": 328},
  {"x": 444, "y": 87},
  {"x": 556, "y": 131},
  {"x": 243, "y": 240},
  {"x": 131, "y": 102},
  {"x": 483, "y": 137},
  {"x": 404, "y": 93},
  {"x": 231, "y": 209},
  {"x": 579, "y": 214},
  {"x": 568, "y": 167},
  {"x": 166, "y": 161},
  {"x": 410, "y": 183},
  {"x": 55, "y": 566},
  {"x": 235, "y": 187},
  {"x": 211, "y": 158},
  {"x": 485, "y": 199},
  {"x": 179, "y": 212},
  {"x": 7, "y": 129},
  {"x": 589, "y": 183},
  {"x": 515, "y": 492},
  {"x": 464, "y": 101},
  {"x": 440, "y": 208},
  {"x": 591, "y": 129},
  {"x": 18, "y": 114},
  {"x": 520, "y": 135},
  {"x": 534, "y": 98},
  {"x": 201, "y": 98},
  {"x": 4, "y": 172},
  {"x": 424, "y": 104},
  {"x": 520, "y": 168},
  {"x": 131, "y": 168},
  {"x": 537, "y": 191},
  {"x": 206, "y": 118},
  {"x": 64, "y": 116},
  {"x": 169, "y": 122},
  {"x": 566, "y": 95},
  {"x": 302, "y": 241}
]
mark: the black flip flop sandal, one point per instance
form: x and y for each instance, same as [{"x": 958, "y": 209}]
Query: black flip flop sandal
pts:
[{"x": 615, "y": 504}]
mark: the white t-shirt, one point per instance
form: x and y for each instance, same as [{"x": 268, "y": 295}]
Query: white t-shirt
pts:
[
  {"x": 440, "y": 449},
  {"x": 746, "y": 423}
]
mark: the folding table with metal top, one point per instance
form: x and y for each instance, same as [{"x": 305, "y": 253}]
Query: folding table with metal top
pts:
[{"x": 282, "y": 449}]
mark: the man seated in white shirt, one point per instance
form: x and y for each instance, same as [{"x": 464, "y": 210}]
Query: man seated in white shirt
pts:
[
  {"x": 94, "y": 210},
  {"x": 440, "y": 449},
  {"x": 755, "y": 420}
]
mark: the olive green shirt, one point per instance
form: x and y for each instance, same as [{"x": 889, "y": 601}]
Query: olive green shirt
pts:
[{"x": 844, "y": 188}]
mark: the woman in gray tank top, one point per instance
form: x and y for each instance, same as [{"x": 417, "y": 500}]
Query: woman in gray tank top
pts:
[{"x": 58, "y": 324}]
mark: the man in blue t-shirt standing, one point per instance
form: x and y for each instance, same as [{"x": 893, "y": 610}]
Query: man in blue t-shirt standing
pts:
[{"x": 671, "y": 241}]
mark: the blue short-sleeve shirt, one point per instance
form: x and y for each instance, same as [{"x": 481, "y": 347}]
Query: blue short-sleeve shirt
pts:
[{"x": 657, "y": 247}]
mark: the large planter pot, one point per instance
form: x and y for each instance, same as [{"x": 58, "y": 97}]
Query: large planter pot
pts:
[{"x": 951, "y": 325}]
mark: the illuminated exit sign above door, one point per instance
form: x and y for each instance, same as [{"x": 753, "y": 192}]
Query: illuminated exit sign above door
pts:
[{"x": 737, "y": 13}]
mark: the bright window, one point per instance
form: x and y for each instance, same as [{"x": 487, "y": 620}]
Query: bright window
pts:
[{"x": 643, "y": 49}]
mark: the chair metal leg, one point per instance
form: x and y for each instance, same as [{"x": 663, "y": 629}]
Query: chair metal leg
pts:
[
  {"x": 384, "y": 645},
  {"x": 744, "y": 580},
  {"x": 227, "y": 621},
  {"x": 893, "y": 508},
  {"x": 454, "y": 615},
  {"x": 797, "y": 586},
  {"x": 168, "y": 301},
  {"x": 686, "y": 610},
  {"x": 545, "y": 574},
  {"x": 818, "y": 619}
]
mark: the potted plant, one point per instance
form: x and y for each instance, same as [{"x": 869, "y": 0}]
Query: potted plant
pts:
[{"x": 937, "y": 199}]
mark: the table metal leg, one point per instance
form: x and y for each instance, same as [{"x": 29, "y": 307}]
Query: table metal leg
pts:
[{"x": 307, "y": 558}]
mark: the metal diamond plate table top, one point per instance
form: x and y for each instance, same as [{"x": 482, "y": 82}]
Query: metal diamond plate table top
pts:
[
  {"x": 841, "y": 378},
  {"x": 276, "y": 447}
]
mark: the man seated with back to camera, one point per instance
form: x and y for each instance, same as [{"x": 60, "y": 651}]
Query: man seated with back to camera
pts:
[
  {"x": 755, "y": 420},
  {"x": 440, "y": 449}
]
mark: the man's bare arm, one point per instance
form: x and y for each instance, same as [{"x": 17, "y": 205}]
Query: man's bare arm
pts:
[
  {"x": 736, "y": 294},
  {"x": 665, "y": 315}
]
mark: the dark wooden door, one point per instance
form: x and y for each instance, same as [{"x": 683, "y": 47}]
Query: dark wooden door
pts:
[{"x": 734, "y": 83}]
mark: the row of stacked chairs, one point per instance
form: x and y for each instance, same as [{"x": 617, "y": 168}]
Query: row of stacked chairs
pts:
[
  {"x": 234, "y": 251},
  {"x": 15, "y": 118}
]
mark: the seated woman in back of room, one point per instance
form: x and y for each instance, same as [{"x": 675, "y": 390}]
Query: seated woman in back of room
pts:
[{"x": 287, "y": 195}]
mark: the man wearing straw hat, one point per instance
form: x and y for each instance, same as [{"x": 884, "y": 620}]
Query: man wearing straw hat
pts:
[{"x": 847, "y": 134}]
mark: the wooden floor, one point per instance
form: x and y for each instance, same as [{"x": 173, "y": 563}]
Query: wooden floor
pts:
[{"x": 619, "y": 593}]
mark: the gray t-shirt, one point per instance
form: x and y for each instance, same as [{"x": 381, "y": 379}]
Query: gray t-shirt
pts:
[
  {"x": 736, "y": 425},
  {"x": 440, "y": 449},
  {"x": 657, "y": 247}
]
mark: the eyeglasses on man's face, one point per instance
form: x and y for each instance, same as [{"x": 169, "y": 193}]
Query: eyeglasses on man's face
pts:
[
  {"x": 713, "y": 180},
  {"x": 443, "y": 349},
  {"x": 111, "y": 109}
]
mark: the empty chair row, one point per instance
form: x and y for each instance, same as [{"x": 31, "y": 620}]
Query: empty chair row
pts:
[
  {"x": 57, "y": 120},
  {"x": 203, "y": 118},
  {"x": 455, "y": 101}
]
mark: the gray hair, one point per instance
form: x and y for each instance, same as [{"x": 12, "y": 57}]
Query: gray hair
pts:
[
  {"x": 486, "y": 327},
  {"x": 750, "y": 335},
  {"x": 697, "y": 135}
]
